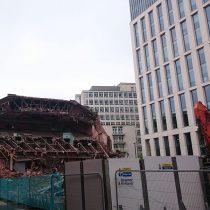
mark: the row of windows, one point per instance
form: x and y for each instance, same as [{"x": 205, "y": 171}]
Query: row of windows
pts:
[
  {"x": 178, "y": 74},
  {"x": 136, "y": 124},
  {"x": 111, "y": 94},
  {"x": 173, "y": 112},
  {"x": 176, "y": 143},
  {"x": 115, "y": 109},
  {"x": 195, "y": 21},
  {"x": 164, "y": 47},
  {"x": 110, "y": 102},
  {"x": 119, "y": 117}
]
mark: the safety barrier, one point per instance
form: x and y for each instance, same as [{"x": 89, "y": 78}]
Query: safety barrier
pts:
[
  {"x": 43, "y": 192},
  {"x": 163, "y": 189}
]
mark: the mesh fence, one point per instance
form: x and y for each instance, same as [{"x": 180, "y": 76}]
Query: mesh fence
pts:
[
  {"x": 43, "y": 192},
  {"x": 162, "y": 190}
]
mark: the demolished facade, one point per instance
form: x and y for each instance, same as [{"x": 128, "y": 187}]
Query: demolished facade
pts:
[{"x": 37, "y": 135}]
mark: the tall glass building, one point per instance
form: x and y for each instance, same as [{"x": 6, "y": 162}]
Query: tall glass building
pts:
[{"x": 171, "y": 50}]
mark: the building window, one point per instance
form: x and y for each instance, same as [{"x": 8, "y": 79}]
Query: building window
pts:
[
  {"x": 184, "y": 110},
  {"x": 163, "y": 115},
  {"x": 143, "y": 100},
  {"x": 136, "y": 32},
  {"x": 139, "y": 64},
  {"x": 179, "y": 75},
  {"x": 152, "y": 24},
  {"x": 173, "y": 112},
  {"x": 168, "y": 79},
  {"x": 149, "y": 78},
  {"x": 190, "y": 70},
  {"x": 207, "y": 9},
  {"x": 164, "y": 47},
  {"x": 167, "y": 147},
  {"x": 157, "y": 146},
  {"x": 159, "y": 83},
  {"x": 155, "y": 52},
  {"x": 147, "y": 60},
  {"x": 146, "y": 130},
  {"x": 194, "y": 96},
  {"x": 170, "y": 12},
  {"x": 177, "y": 144},
  {"x": 174, "y": 42},
  {"x": 185, "y": 36},
  {"x": 181, "y": 8},
  {"x": 193, "y": 5},
  {"x": 154, "y": 120},
  {"x": 188, "y": 143},
  {"x": 207, "y": 94},
  {"x": 106, "y": 95},
  {"x": 148, "y": 148},
  {"x": 160, "y": 17},
  {"x": 144, "y": 31},
  {"x": 203, "y": 66},
  {"x": 101, "y": 94},
  {"x": 90, "y": 94},
  {"x": 197, "y": 29}
]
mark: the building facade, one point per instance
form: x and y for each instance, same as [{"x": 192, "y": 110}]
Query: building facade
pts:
[
  {"x": 171, "y": 50},
  {"x": 118, "y": 110}
]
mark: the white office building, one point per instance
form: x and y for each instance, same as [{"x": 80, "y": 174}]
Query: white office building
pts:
[
  {"x": 171, "y": 50},
  {"x": 118, "y": 110}
]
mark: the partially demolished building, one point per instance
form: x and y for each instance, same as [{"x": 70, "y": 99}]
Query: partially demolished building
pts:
[{"x": 37, "y": 134}]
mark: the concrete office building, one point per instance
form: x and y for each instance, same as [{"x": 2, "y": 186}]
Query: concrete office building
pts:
[
  {"x": 171, "y": 50},
  {"x": 118, "y": 110}
]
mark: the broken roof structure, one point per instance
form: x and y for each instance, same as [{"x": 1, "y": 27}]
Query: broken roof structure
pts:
[{"x": 31, "y": 132}]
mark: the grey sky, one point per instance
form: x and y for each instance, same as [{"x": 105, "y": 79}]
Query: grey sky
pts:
[{"x": 56, "y": 48}]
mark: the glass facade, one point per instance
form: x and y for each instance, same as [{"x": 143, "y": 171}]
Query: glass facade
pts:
[
  {"x": 174, "y": 42},
  {"x": 168, "y": 79},
  {"x": 164, "y": 47},
  {"x": 155, "y": 52},
  {"x": 137, "y": 7},
  {"x": 181, "y": 8},
  {"x": 177, "y": 145},
  {"x": 152, "y": 24},
  {"x": 143, "y": 99},
  {"x": 207, "y": 95},
  {"x": 144, "y": 30},
  {"x": 173, "y": 112},
  {"x": 197, "y": 29},
  {"x": 179, "y": 75},
  {"x": 147, "y": 60},
  {"x": 166, "y": 145},
  {"x": 139, "y": 64},
  {"x": 188, "y": 143},
  {"x": 149, "y": 78},
  {"x": 157, "y": 146},
  {"x": 184, "y": 110},
  {"x": 146, "y": 128},
  {"x": 190, "y": 70},
  {"x": 193, "y": 5},
  {"x": 170, "y": 12},
  {"x": 207, "y": 10},
  {"x": 163, "y": 115},
  {"x": 185, "y": 36},
  {"x": 194, "y": 96},
  {"x": 203, "y": 66},
  {"x": 159, "y": 83},
  {"x": 160, "y": 17},
  {"x": 154, "y": 119},
  {"x": 136, "y": 33}
]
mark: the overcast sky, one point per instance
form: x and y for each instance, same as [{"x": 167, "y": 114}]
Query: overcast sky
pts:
[{"x": 57, "y": 48}]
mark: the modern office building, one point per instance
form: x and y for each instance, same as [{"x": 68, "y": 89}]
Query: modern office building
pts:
[
  {"x": 171, "y": 50},
  {"x": 118, "y": 110}
]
